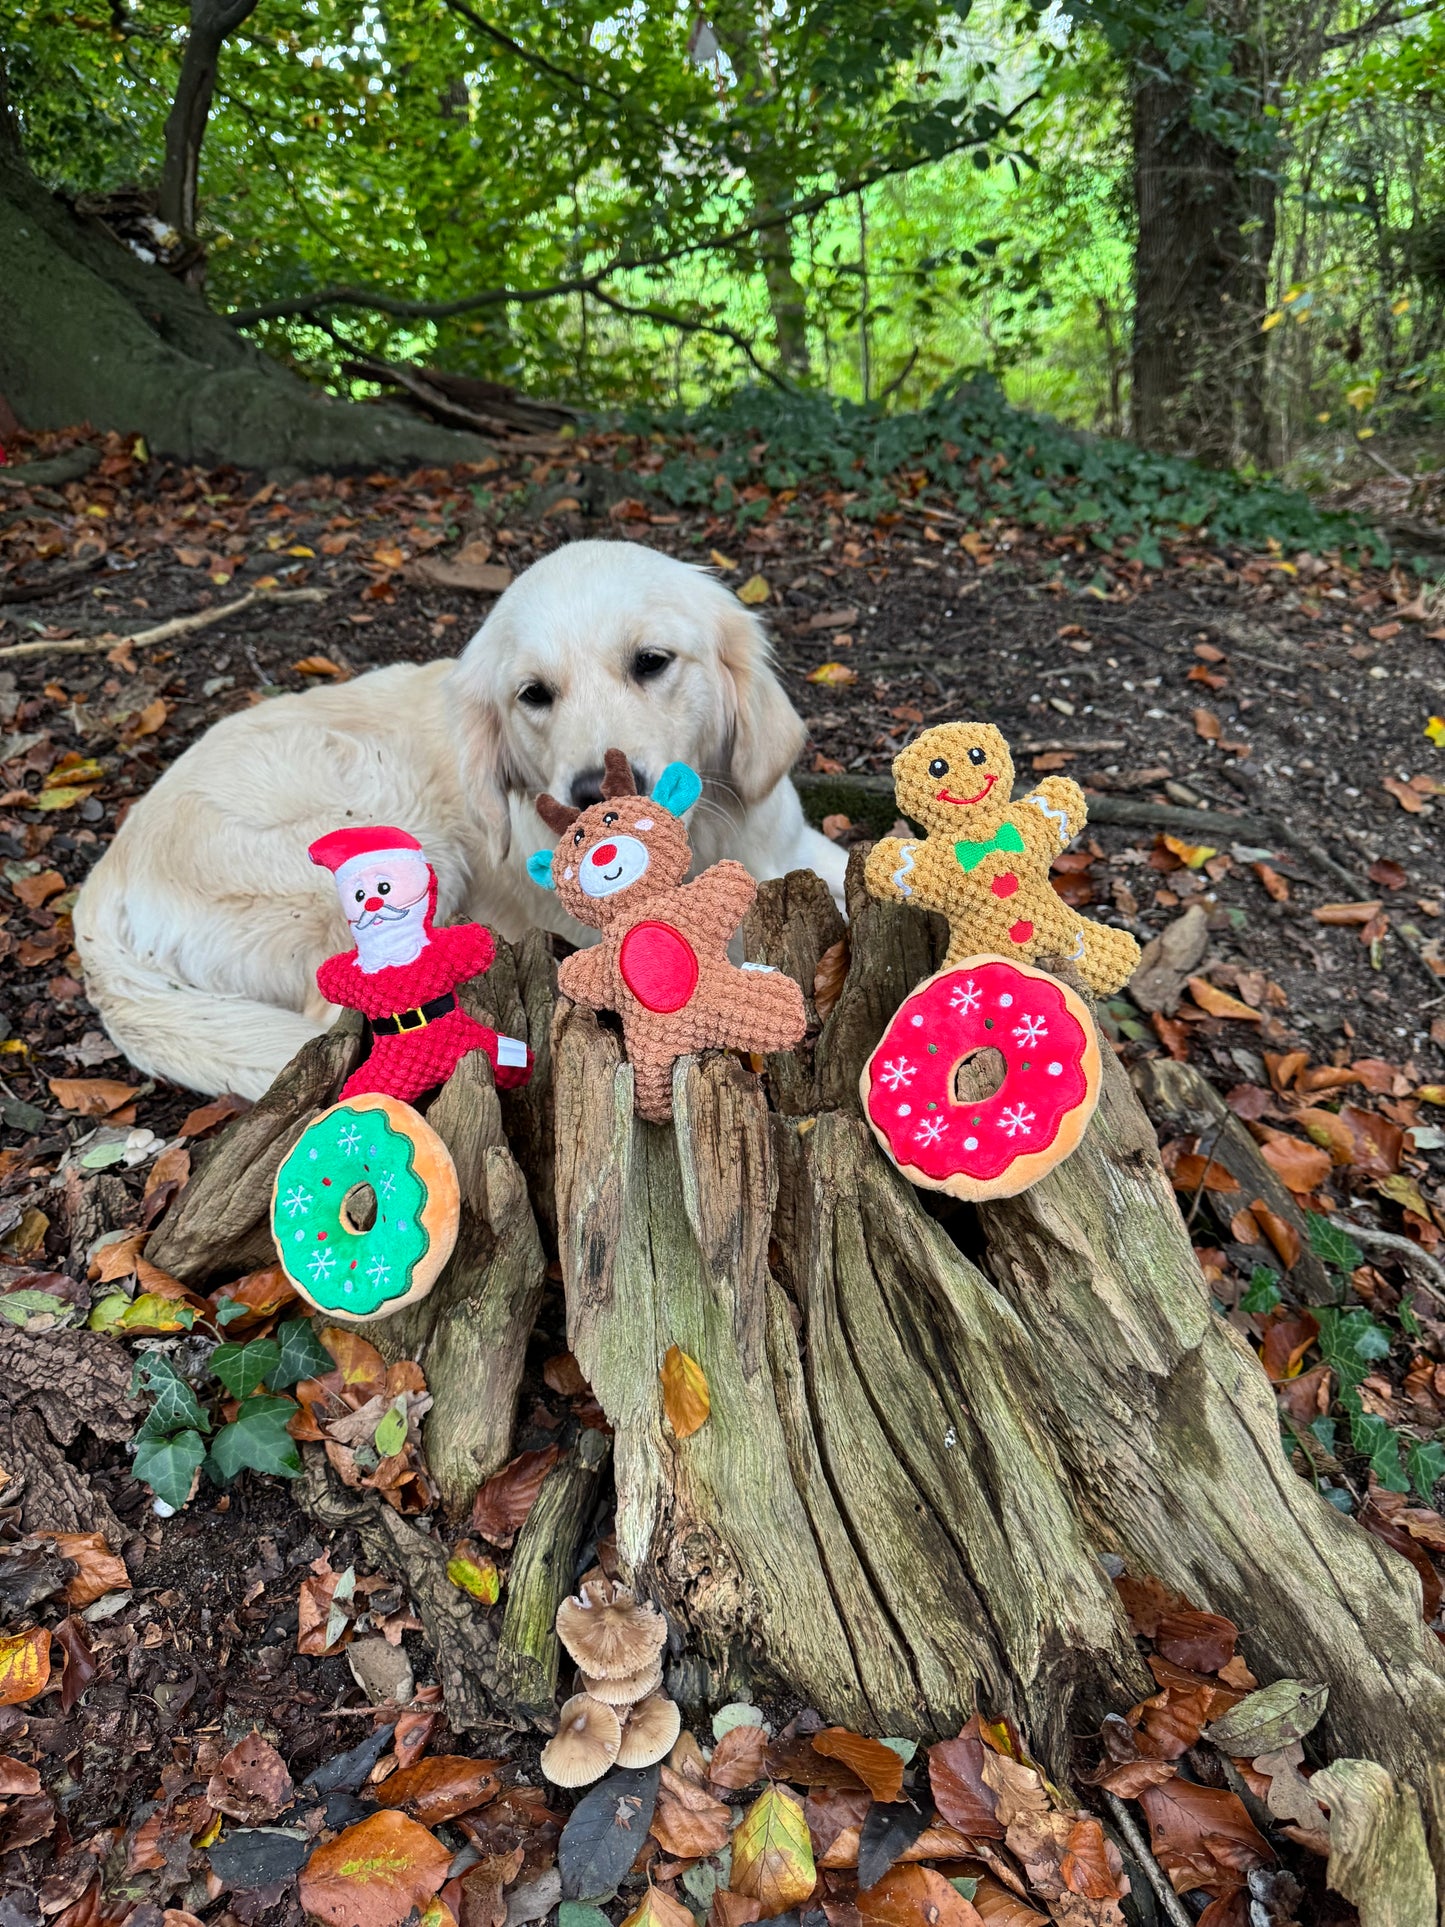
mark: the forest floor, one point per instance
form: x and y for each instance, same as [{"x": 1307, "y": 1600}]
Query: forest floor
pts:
[{"x": 1293, "y": 689}]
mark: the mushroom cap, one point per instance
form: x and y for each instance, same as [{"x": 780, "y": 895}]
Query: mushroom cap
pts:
[
  {"x": 585, "y": 1743},
  {"x": 650, "y": 1733},
  {"x": 624, "y": 1692},
  {"x": 609, "y": 1633}
]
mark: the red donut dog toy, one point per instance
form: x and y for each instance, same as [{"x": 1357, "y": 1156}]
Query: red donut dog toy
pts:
[{"x": 1002, "y": 1144}]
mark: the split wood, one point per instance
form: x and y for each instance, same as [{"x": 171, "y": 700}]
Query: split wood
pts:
[{"x": 163, "y": 631}]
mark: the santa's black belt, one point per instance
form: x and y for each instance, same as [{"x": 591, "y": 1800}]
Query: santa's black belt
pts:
[{"x": 417, "y": 1018}]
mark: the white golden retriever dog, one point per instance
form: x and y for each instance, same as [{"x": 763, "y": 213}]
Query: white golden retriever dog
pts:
[{"x": 201, "y": 927}]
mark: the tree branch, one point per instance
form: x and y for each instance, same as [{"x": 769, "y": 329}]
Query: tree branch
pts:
[
  {"x": 406, "y": 308},
  {"x": 692, "y": 326},
  {"x": 211, "y": 22},
  {"x": 1383, "y": 17}
]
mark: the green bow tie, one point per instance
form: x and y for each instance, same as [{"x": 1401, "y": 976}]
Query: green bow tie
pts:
[{"x": 970, "y": 855}]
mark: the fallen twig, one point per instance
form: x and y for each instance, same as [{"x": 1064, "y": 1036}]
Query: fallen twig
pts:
[
  {"x": 1428, "y": 1270},
  {"x": 163, "y": 631},
  {"x": 1153, "y": 1872}
]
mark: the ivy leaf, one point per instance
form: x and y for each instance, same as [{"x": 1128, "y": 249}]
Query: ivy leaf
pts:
[
  {"x": 1350, "y": 1342},
  {"x": 1381, "y": 1445},
  {"x": 257, "y": 1440},
  {"x": 1263, "y": 1293},
  {"x": 176, "y": 1406},
  {"x": 243, "y": 1369},
  {"x": 1425, "y": 1463},
  {"x": 229, "y": 1308},
  {"x": 1331, "y": 1245},
  {"x": 168, "y": 1465},
  {"x": 302, "y": 1355}
]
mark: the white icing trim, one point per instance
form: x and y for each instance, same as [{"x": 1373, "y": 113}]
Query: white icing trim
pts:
[
  {"x": 904, "y": 867},
  {"x": 1061, "y": 817}
]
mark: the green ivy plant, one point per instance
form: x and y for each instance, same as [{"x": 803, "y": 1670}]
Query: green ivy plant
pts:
[{"x": 171, "y": 1447}]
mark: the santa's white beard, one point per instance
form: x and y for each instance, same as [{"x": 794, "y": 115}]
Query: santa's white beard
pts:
[{"x": 390, "y": 941}]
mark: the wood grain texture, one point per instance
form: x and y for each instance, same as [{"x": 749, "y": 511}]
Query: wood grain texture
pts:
[{"x": 529, "y": 1654}]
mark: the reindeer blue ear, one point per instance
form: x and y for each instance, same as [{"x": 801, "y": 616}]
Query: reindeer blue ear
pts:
[
  {"x": 539, "y": 868},
  {"x": 677, "y": 789}
]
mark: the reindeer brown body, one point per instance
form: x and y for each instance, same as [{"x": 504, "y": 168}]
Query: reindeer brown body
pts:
[{"x": 662, "y": 964}]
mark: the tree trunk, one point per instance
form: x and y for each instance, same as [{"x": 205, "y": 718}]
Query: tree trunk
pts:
[
  {"x": 787, "y": 301},
  {"x": 934, "y": 1429},
  {"x": 1206, "y": 221},
  {"x": 89, "y": 333},
  {"x": 211, "y": 22}
]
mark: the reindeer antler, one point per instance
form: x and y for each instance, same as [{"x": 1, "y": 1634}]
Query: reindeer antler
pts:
[
  {"x": 557, "y": 816},
  {"x": 617, "y": 777}
]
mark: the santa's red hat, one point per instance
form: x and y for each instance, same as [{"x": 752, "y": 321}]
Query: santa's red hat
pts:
[{"x": 338, "y": 848}]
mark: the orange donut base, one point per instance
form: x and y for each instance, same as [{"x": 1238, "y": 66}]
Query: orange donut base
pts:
[{"x": 1029, "y": 1166}]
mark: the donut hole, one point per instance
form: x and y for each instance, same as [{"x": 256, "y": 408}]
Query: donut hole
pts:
[
  {"x": 979, "y": 1075},
  {"x": 358, "y": 1209}
]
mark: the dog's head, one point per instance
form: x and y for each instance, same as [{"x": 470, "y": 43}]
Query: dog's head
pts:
[
  {"x": 609, "y": 644},
  {"x": 606, "y": 850}
]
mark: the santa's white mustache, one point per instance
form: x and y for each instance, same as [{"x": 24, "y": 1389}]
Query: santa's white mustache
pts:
[{"x": 388, "y": 913}]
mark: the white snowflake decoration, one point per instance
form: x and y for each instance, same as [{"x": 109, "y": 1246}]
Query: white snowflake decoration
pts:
[
  {"x": 966, "y": 998},
  {"x": 929, "y": 1131},
  {"x": 348, "y": 1139},
  {"x": 1017, "y": 1120},
  {"x": 378, "y": 1271},
  {"x": 386, "y": 1184},
  {"x": 899, "y": 1073},
  {"x": 1029, "y": 1030},
  {"x": 321, "y": 1264},
  {"x": 296, "y": 1201}
]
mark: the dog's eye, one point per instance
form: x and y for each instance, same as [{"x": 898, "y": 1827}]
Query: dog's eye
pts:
[
  {"x": 938, "y": 767},
  {"x": 648, "y": 664},
  {"x": 536, "y": 695},
  {"x": 975, "y": 756},
  {"x": 383, "y": 889}
]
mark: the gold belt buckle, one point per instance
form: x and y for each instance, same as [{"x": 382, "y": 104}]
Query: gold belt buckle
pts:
[{"x": 415, "y": 1011}]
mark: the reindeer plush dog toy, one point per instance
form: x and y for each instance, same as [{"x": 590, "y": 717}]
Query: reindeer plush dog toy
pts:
[
  {"x": 662, "y": 964},
  {"x": 985, "y": 860}
]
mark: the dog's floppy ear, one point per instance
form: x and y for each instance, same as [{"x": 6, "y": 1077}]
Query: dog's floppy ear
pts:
[
  {"x": 559, "y": 817},
  {"x": 617, "y": 779},
  {"x": 539, "y": 867},
  {"x": 767, "y": 732}
]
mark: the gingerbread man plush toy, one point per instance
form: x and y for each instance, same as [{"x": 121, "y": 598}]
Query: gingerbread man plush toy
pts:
[
  {"x": 984, "y": 861},
  {"x": 662, "y": 964},
  {"x": 403, "y": 973}
]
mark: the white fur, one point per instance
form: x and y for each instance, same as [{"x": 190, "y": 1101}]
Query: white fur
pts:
[{"x": 201, "y": 927}]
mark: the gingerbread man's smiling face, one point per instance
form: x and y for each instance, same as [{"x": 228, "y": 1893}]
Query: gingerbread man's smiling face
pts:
[{"x": 956, "y": 779}]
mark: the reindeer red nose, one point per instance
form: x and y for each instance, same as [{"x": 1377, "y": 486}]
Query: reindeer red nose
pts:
[
  {"x": 372, "y": 903},
  {"x": 604, "y": 854}
]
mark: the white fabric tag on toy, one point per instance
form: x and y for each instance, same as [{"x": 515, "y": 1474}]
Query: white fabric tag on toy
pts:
[{"x": 511, "y": 1052}]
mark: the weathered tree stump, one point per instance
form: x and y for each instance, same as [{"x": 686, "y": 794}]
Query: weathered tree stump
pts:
[{"x": 932, "y": 1426}]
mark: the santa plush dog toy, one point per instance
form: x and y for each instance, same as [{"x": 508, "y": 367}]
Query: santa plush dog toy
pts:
[{"x": 403, "y": 973}]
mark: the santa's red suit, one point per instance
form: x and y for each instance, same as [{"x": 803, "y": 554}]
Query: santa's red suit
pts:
[{"x": 403, "y": 973}]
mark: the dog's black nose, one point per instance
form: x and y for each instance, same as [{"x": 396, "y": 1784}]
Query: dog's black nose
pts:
[{"x": 587, "y": 787}]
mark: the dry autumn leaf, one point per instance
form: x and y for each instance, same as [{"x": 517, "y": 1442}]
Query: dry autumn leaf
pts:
[
  {"x": 251, "y": 1783},
  {"x": 91, "y": 1096},
  {"x": 1345, "y": 913},
  {"x": 773, "y": 1854},
  {"x": 685, "y": 1397},
  {"x": 754, "y": 591},
  {"x": 24, "y": 1666},
  {"x": 362, "y": 1367},
  {"x": 318, "y": 666},
  {"x": 17, "y": 1781},
  {"x": 832, "y": 673},
  {"x": 1275, "y": 886},
  {"x": 1409, "y": 799},
  {"x": 439, "y": 1789},
  {"x": 917, "y": 1897},
  {"x": 1301, "y": 1167},
  {"x": 207, "y": 1116},
  {"x": 658, "y": 1909},
  {"x": 1202, "y": 1836},
  {"x": 502, "y": 1504},
  {"x": 98, "y": 1570},
  {"x": 963, "y": 1797},
  {"x": 687, "y": 1821},
  {"x": 739, "y": 1758},
  {"x": 877, "y": 1766},
  {"x": 37, "y": 890},
  {"x": 374, "y": 1873},
  {"x": 1208, "y": 725},
  {"x": 829, "y": 975},
  {"x": 1219, "y": 1003}
]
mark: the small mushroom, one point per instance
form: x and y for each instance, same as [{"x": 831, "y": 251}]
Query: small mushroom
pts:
[
  {"x": 623, "y": 1692},
  {"x": 585, "y": 1743},
  {"x": 650, "y": 1733},
  {"x": 609, "y": 1633}
]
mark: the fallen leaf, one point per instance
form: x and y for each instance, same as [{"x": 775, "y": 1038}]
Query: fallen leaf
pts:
[
  {"x": 687, "y": 1821},
  {"x": 17, "y": 1781},
  {"x": 916, "y": 1896},
  {"x": 1285, "y": 1710},
  {"x": 685, "y": 1397},
  {"x": 1275, "y": 885},
  {"x": 963, "y": 1798},
  {"x": 78, "y": 1665},
  {"x": 362, "y": 1367},
  {"x": 739, "y": 1758},
  {"x": 37, "y": 890},
  {"x": 251, "y": 1783},
  {"x": 1192, "y": 855},
  {"x": 148, "y": 721},
  {"x": 1202, "y": 1836},
  {"x": 1192, "y": 1173},
  {"x": 658, "y": 1909},
  {"x": 1435, "y": 730},
  {"x": 877, "y": 1766},
  {"x": 772, "y": 1859},
  {"x": 1219, "y": 1003},
  {"x": 832, "y": 673},
  {"x": 754, "y": 591},
  {"x": 502, "y": 1504},
  {"x": 374, "y": 1873},
  {"x": 829, "y": 976},
  {"x": 1282, "y": 1235},
  {"x": 835, "y": 618},
  {"x": 480, "y": 578},
  {"x": 24, "y": 1666},
  {"x": 1301, "y": 1167},
  {"x": 207, "y": 1116},
  {"x": 440, "y": 1788},
  {"x": 318, "y": 666},
  {"x": 1287, "y": 1338},
  {"x": 1020, "y": 1790},
  {"x": 91, "y": 1096},
  {"x": 1208, "y": 725},
  {"x": 1201, "y": 1641},
  {"x": 1345, "y": 913},
  {"x": 98, "y": 1570},
  {"x": 1408, "y": 799}
]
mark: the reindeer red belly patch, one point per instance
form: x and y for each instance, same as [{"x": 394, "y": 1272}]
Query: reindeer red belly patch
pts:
[{"x": 658, "y": 965}]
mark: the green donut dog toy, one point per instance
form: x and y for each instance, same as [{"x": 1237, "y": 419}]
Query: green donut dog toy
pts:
[{"x": 364, "y": 1209}]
